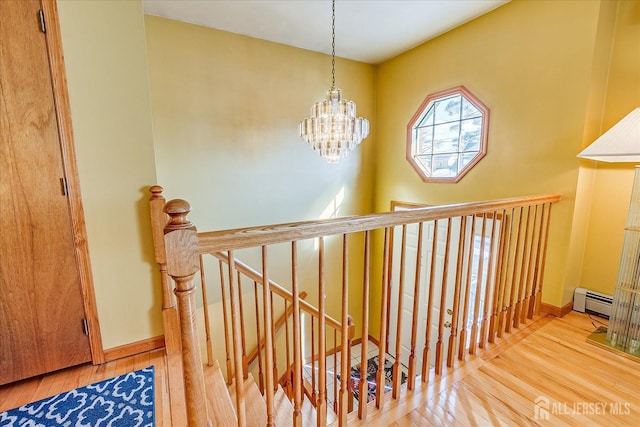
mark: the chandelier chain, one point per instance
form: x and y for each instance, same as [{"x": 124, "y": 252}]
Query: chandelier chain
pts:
[{"x": 333, "y": 44}]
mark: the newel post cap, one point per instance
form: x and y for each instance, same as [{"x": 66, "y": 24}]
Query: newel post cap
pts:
[
  {"x": 156, "y": 191},
  {"x": 177, "y": 209}
]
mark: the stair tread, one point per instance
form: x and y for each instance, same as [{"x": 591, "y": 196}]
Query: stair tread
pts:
[
  {"x": 221, "y": 408},
  {"x": 309, "y": 414},
  {"x": 255, "y": 406},
  {"x": 283, "y": 408}
]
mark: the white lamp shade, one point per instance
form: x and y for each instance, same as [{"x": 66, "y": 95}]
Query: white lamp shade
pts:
[{"x": 619, "y": 144}]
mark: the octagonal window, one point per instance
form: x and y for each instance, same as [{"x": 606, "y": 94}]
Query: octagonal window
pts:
[{"x": 447, "y": 136}]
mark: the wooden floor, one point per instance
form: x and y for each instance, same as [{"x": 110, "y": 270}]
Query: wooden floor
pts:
[{"x": 546, "y": 374}]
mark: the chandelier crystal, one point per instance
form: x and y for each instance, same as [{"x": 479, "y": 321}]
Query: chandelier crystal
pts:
[{"x": 333, "y": 128}]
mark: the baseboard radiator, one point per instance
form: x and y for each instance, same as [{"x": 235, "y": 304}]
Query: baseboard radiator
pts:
[{"x": 587, "y": 301}]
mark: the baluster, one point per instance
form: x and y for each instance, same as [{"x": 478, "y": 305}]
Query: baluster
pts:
[
  {"x": 387, "y": 303},
  {"x": 225, "y": 321},
  {"x": 363, "y": 386},
  {"x": 245, "y": 364},
  {"x": 479, "y": 278},
  {"x": 456, "y": 292},
  {"x": 258, "y": 337},
  {"x": 275, "y": 359},
  {"x": 396, "y": 364},
  {"x": 426, "y": 353},
  {"x": 181, "y": 244},
  {"x": 287, "y": 348},
  {"x": 529, "y": 306},
  {"x": 237, "y": 341},
  {"x": 487, "y": 295},
  {"x": 297, "y": 341},
  {"x": 268, "y": 325},
  {"x": 465, "y": 306},
  {"x": 535, "y": 301},
  {"x": 524, "y": 262},
  {"x": 497, "y": 293},
  {"x": 205, "y": 307},
  {"x": 503, "y": 284},
  {"x": 523, "y": 272},
  {"x": 345, "y": 363},
  {"x": 335, "y": 371},
  {"x": 443, "y": 302},
  {"x": 514, "y": 274},
  {"x": 530, "y": 268},
  {"x": 534, "y": 281},
  {"x": 314, "y": 396},
  {"x": 321, "y": 402},
  {"x": 416, "y": 306},
  {"x": 380, "y": 374},
  {"x": 170, "y": 321},
  {"x": 351, "y": 328}
]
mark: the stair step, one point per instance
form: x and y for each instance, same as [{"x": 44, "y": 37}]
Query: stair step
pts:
[
  {"x": 309, "y": 414},
  {"x": 255, "y": 407},
  {"x": 221, "y": 408},
  {"x": 283, "y": 408}
]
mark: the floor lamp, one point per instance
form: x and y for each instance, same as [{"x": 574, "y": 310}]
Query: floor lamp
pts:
[{"x": 621, "y": 143}]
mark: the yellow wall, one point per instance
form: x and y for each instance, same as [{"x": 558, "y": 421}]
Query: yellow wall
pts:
[
  {"x": 611, "y": 183},
  {"x": 530, "y": 63},
  {"x": 225, "y": 109},
  {"x": 225, "y": 114},
  {"x": 104, "y": 49}
]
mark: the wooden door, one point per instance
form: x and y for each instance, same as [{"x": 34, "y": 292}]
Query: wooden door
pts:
[{"x": 42, "y": 318}]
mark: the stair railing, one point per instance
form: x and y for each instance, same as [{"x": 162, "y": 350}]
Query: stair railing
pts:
[
  {"x": 507, "y": 292},
  {"x": 320, "y": 323}
]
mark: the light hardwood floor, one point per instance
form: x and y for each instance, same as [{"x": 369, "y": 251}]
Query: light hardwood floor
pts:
[
  {"x": 547, "y": 368},
  {"x": 546, "y": 374}
]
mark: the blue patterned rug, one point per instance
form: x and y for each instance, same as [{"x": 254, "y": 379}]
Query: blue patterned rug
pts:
[{"x": 124, "y": 401}]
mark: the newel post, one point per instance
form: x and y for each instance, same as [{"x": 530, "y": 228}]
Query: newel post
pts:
[
  {"x": 183, "y": 262},
  {"x": 159, "y": 220}
]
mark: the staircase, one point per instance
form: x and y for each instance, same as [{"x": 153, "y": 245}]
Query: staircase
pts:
[{"x": 429, "y": 286}]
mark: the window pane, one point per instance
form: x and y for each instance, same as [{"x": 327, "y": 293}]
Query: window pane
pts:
[
  {"x": 425, "y": 163},
  {"x": 469, "y": 110},
  {"x": 448, "y": 109},
  {"x": 428, "y": 118},
  {"x": 445, "y": 165},
  {"x": 465, "y": 159},
  {"x": 425, "y": 140},
  {"x": 446, "y": 138},
  {"x": 470, "y": 135}
]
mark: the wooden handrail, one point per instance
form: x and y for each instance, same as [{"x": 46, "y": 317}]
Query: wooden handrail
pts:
[
  {"x": 277, "y": 289},
  {"x": 240, "y": 238},
  {"x": 276, "y": 327}
]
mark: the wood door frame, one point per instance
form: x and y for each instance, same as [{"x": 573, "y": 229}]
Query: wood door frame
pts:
[{"x": 53, "y": 39}]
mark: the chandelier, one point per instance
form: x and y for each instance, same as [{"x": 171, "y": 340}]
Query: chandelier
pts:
[{"x": 333, "y": 128}]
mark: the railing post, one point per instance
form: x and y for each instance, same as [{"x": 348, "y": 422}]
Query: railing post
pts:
[
  {"x": 159, "y": 220},
  {"x": 181, "y": 243}
]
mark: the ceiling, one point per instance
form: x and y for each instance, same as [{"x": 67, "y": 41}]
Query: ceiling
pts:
[{"x": 370, "y": 31}]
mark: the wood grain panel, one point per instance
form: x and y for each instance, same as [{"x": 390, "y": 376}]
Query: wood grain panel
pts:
[{"x": 42, "y": 309}]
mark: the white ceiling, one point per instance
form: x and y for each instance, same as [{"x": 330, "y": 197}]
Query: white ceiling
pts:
[{"x": 370, "y": 31}]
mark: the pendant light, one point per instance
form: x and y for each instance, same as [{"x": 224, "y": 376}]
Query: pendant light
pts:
[{"x": 333, "y": 130}]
